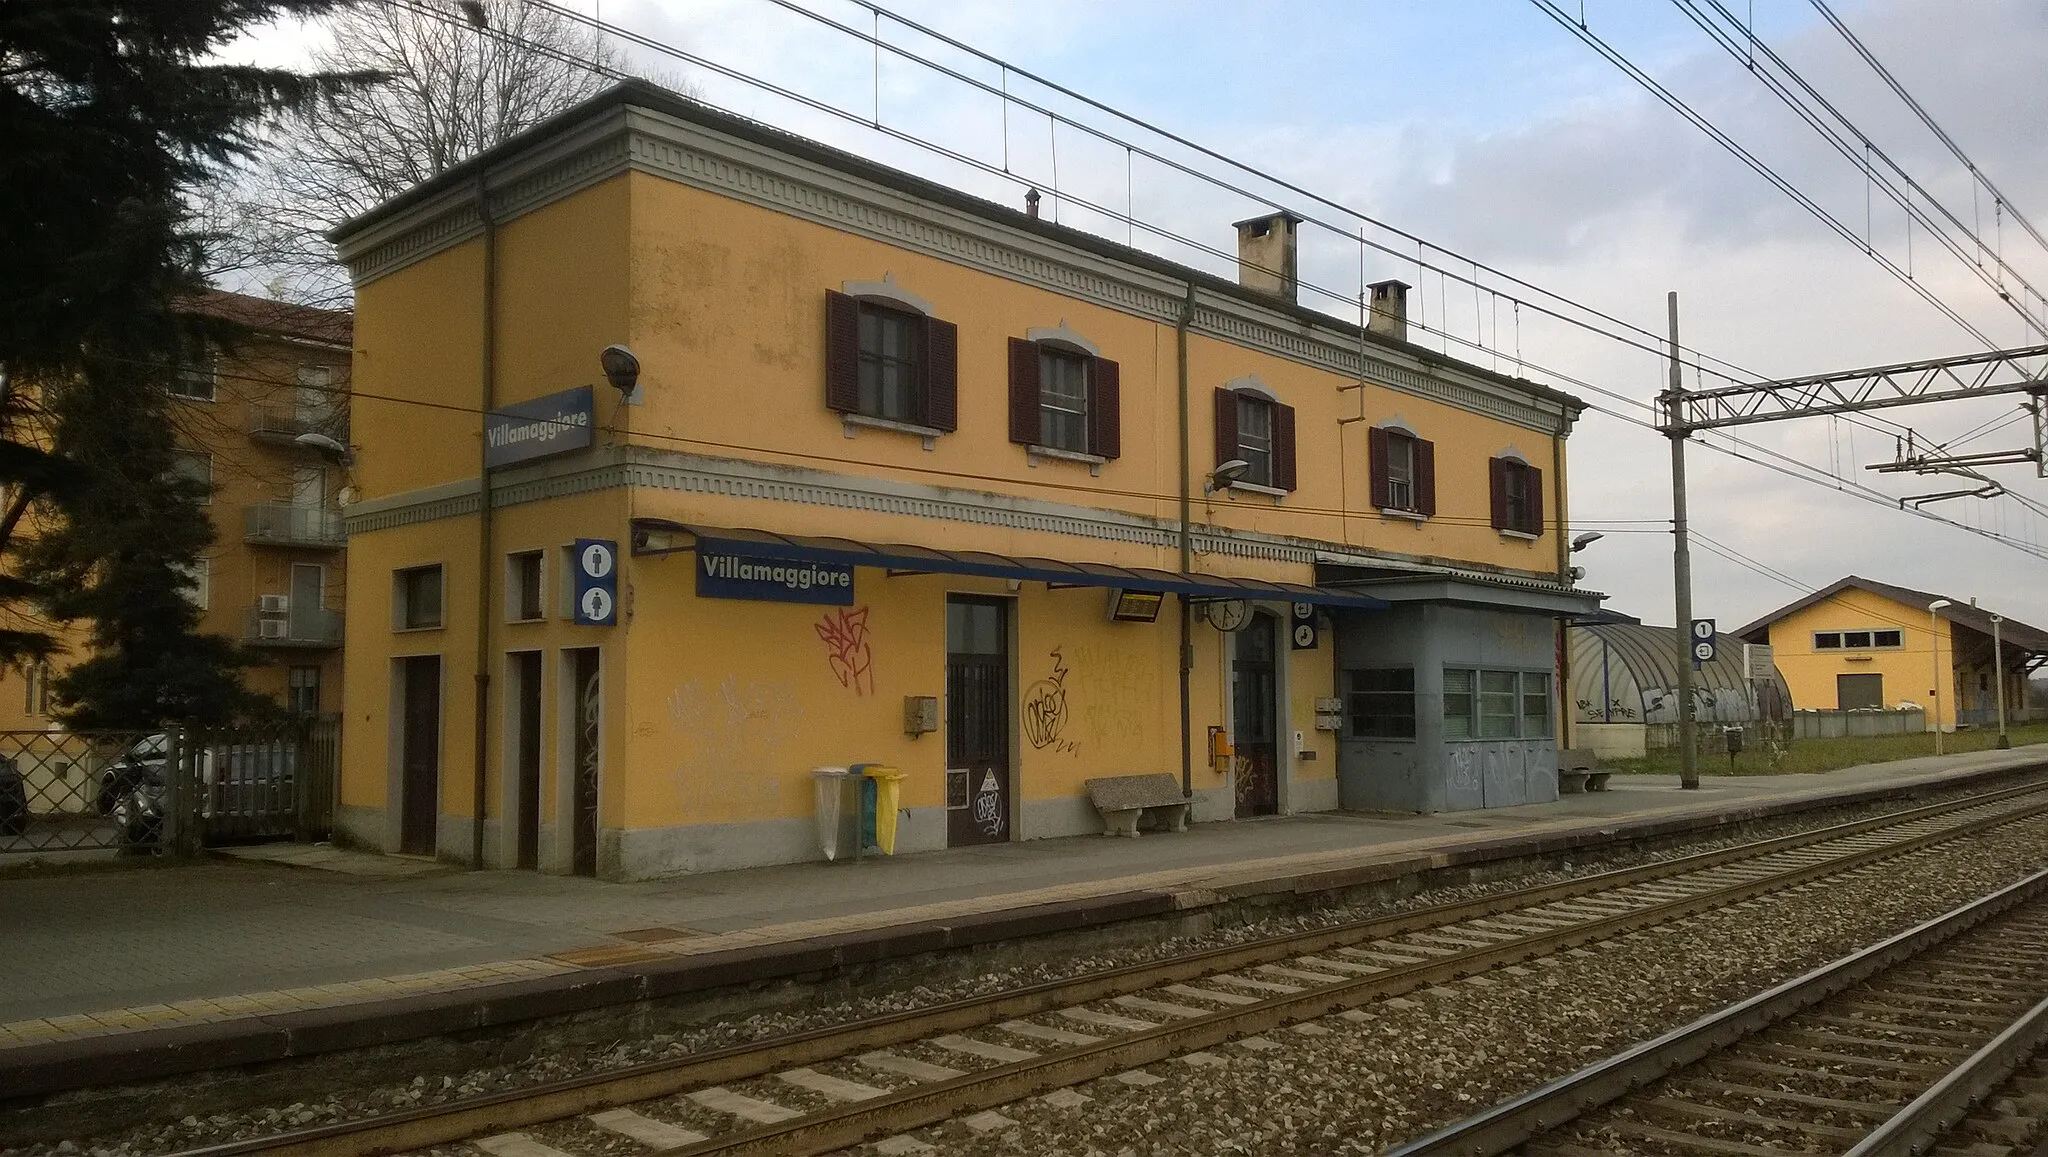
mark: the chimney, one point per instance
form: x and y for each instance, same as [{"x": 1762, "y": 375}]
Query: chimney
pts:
[
  {"x": 1031, "y": 202},
  {"x": 1389, "y": 309},
  {"x": 1265, "y": 254}
]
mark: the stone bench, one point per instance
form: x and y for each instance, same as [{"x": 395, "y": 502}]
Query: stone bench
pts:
[
  {"x": 1578, "y": 770},
  {"x": 1122, "y": 799}
]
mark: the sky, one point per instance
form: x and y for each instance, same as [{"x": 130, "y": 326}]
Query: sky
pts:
[{"x": 1488, "y": 131}]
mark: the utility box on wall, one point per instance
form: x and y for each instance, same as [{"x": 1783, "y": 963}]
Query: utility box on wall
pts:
[{"x": 920, "y": 714}]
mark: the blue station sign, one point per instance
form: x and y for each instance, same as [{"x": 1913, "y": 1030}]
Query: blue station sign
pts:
[
  {"x": 723, "y": 574},
  {"x": 540, "y": 428}
]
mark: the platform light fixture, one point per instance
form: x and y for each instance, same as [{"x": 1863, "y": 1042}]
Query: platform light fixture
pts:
[
  {"x": 1585, "y": 540},
  {"x": 622, "y": 370},
  {"x": 1934, "y": 649},
  {"x": 1226, "y": 475}
]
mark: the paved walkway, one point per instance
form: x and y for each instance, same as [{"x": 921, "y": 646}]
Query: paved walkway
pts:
[{"x": 282, "y": 928}]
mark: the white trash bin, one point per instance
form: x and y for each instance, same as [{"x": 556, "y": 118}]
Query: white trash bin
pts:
[{"x": 838, "y": 812}]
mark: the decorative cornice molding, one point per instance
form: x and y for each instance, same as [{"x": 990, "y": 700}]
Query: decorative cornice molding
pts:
[
  {"x": 642, "y": 140},
  {"x": 638, "y": 467}
]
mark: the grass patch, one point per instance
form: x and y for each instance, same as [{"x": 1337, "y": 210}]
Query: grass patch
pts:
[{"x": 1814, "y": 755}]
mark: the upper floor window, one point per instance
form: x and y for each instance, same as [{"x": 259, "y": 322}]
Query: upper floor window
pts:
[
  {"x": 884, "y": 360},
  {"x": 196, "y": 375},
  {"x": 197, "y": 468},
  {"x": 1857, "y": 640},
  {"x": 1253, "y": 427},
  {"x": 1403, "y": 470},
  {"x": 1517, "y": 496},
  {"x": 1063, "y": 397}
]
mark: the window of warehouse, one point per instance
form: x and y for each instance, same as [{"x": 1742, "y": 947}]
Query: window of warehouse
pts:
[
  {"x": 1403, "y": 470},
  {"x": 1063, "y": 398},
  {"x": 887, "y": 361},
  {"x": 1254, "y": 427},
  {"x": 1517, "y": 496},
  {"x": 1381, "y": 703},
  {"x": 1857, "y": 640},
  {"x": 1481, "y": 704}
]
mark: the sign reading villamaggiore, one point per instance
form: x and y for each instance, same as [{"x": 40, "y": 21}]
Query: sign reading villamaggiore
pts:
[{"x": 540, "y": 428}]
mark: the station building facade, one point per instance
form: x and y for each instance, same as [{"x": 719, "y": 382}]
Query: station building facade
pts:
[{"x": 893, "y": 474}]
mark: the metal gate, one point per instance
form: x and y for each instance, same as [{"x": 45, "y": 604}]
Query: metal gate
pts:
[{"x": 176, "y": 789}]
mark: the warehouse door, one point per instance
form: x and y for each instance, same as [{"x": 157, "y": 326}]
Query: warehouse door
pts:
[
  {"x": 1858, "y": 692},
  {"x": 977, "y": 721},
  {"x": 1254, "y": 684},
  {"x": 419, "y": 753}
]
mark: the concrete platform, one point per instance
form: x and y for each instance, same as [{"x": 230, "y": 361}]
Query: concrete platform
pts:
[{"x": 282, "y": 951}]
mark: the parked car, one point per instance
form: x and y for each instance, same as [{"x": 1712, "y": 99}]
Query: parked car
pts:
[
  {"x": 132, "y": 794},
  {"x": 13, "y": 799}
]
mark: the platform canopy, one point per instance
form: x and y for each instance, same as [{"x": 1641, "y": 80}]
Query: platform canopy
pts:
[{"x": 659, "y": 536}]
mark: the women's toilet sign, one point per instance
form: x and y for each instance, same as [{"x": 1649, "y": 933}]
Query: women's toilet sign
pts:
[{"x": 597, "y": 582}]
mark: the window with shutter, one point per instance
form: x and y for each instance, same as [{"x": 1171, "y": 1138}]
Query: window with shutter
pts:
[
  {"x": 1255, "y": 437},
  {"x": 1253, "y": 428},
  {"x": 1517, "y": 496},
  {"x": 889, "y": 363},
  {"x": 1063, "y": 398}
]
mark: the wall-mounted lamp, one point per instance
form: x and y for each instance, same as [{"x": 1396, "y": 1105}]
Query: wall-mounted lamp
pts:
[
  {"x": 1585, "y": 540},
  {"x": 622, "y": 370},
  {"x": 1226, "y": 474}
]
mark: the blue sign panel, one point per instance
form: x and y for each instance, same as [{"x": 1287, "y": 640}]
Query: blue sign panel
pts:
[
  {"x": 732, "y": 575},
  {"x": 597, "y": 582},
  {"x": 540, "y": 428}
]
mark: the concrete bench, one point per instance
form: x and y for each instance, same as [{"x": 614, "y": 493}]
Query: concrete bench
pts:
[
  {"x": 1122, "y": 799},
  {"x": 1578, "y": 770}
]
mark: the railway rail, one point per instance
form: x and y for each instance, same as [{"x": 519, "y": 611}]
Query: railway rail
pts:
[
  {"x": 911, "y": 1069},
  {"x": 1878, "y": 1053}
]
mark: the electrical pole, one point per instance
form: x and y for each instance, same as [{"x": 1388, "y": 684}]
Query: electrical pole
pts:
[
  {"x": 1681, "y": 562},
  {"x": 1998, "y": 665}
]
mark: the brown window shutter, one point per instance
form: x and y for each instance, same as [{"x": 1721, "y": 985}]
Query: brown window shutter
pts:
[
  {"x": 941, "y": 375},
  {"x": 1535, "y": 477},
  {"x": 1497, "y": 477},
  {"x": 1376, "y": 466},
  {"x": 1226, "y": 425},
  {"x": 842, "y": 353},
  {"x": 1283, "y": 446},
  {"x": 1025, "y": 424},
  {"x": 1425, "y": 478},
  {"x": 1105, "y": 408}
]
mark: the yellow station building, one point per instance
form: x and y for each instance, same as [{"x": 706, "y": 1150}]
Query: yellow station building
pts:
[
  {"x": 886, "y": 473},
  {"x": 1859, "y": 644}
]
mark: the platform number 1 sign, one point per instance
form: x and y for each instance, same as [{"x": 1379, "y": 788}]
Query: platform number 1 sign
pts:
[
  {"x": 1702, "y": 641},
  {"x": 597, "y": 582}
]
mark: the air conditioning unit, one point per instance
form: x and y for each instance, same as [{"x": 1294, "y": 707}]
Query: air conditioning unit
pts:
[
  {"x": 274, "y": 604},
  {"x": 273, "y": 629}
]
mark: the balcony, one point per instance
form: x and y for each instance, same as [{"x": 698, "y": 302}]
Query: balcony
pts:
[
  {"x": 282, "y": 425},
  {"x": 284, "y": 524},
  {"x": 311, "y": 627}
]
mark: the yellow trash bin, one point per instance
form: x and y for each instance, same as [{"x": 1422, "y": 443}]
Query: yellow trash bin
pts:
[{"x": 888, "y": 796}]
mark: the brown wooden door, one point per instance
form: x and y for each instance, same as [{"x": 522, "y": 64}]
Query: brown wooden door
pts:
[
  {"x": 420, "y": 754},
  {"x": 977, "y": 721},
  {"x": 526, "y": 757},
  {"x": 587, "y": 687},
  {"x": 1254, "y": 719}
]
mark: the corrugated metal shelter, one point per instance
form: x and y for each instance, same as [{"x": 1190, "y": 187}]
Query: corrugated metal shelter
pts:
[{"x": 1627, "y": 673}]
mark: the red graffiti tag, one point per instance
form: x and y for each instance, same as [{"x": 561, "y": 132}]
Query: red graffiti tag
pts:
[{"x": 846, "y": 648}]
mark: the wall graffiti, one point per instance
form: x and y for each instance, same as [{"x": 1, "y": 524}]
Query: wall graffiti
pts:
[
  {"x": 847, "y": 650},
  {"x": 1045, "y": 710}
]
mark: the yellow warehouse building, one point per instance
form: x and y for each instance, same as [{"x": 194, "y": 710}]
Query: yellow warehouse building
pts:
[{"x": 882, "y": 472}]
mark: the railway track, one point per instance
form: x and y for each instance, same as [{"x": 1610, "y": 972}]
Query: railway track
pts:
[
  {"x": 1880, "y": 1052},
  {"x": 831, "y": 1088}
]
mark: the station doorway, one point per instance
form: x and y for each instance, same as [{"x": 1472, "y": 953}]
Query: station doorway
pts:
[
  {"x": 977, "y": 721},
  {"x": 419, "y": 753},
  {"x": 1254, "y": 687},
  {"x": 585, "y": 732}
]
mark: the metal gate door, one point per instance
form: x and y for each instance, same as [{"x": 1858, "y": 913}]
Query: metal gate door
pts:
[
  {"x": 977, "y": 721},
  {"x": 1254, "y": 725}
]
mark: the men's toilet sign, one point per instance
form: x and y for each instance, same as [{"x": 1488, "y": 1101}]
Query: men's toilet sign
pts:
[{"x": 597, "y": 582}]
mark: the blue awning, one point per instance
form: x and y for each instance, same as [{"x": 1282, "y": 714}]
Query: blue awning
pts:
[{"x": 900, "y": 558}]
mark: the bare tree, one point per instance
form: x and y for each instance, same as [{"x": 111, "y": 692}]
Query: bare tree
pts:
[{"x": 462, "y": 76}]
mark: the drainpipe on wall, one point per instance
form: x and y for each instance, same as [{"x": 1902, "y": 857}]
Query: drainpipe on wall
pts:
[
  {"x": 1187, "y": 643},
  {"x": 483, "y": 523},
  {"x": 1564, "y": 576}
]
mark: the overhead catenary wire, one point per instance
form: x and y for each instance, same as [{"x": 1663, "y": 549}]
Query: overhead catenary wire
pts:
[{"x": 1796, "y": 469}]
